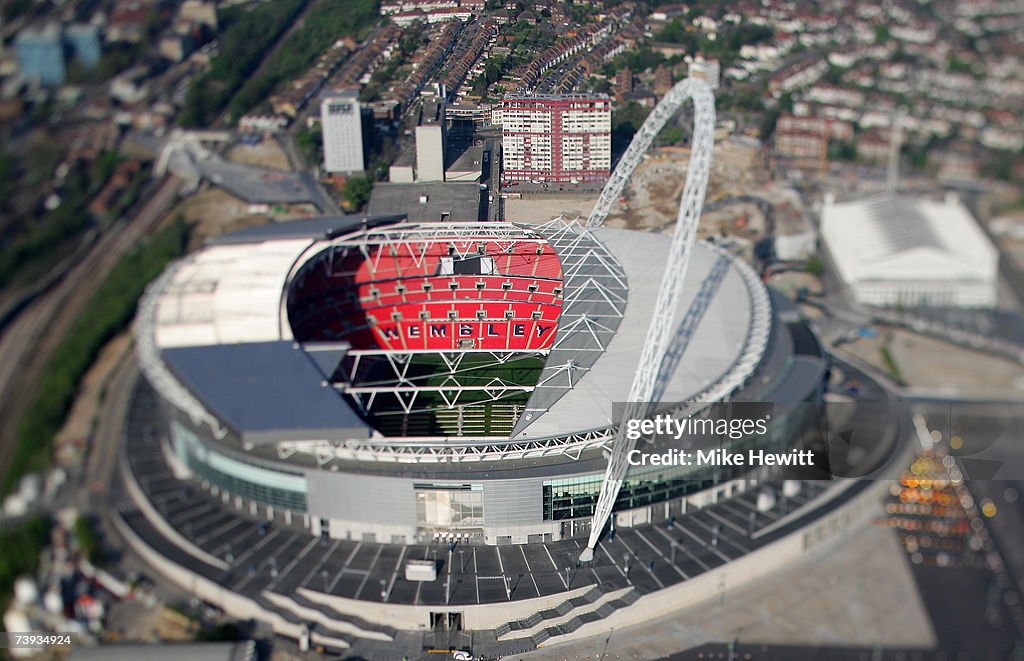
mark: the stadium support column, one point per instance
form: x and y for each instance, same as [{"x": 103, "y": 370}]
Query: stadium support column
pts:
[{"x": 663, "y": 323}]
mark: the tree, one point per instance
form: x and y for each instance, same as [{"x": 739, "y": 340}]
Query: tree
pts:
[
  {"x": 767, "y": 127},
  {"x": 841, "y": 150},
  {"x": 626, "y": 122},
  {"x": 308, "y": 141},
  {"x": 671, "y": 135},
  {"x": 493, "y": 69},
  {"x": 480, "y": 87},
  {"x": 356, "y": 192}
]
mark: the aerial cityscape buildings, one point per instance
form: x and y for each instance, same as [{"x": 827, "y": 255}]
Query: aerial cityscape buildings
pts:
[{"x": 479, "y": 329}]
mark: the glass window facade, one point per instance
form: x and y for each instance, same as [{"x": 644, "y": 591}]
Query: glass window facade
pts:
[
  {"x": 237, "y": 477},
  {"x": 576, "y": 497},
  {"x": 449, "y": 506}
]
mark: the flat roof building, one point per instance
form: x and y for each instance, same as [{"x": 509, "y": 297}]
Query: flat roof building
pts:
[
  {"x": 893, "y": 250},
  {"x": 430, "y": 140},
  {"x": 559, "y": 138},
  {"x": 452, "y": 201}
]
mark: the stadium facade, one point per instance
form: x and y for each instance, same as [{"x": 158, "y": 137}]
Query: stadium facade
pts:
[{"x": 381, "y": 380}]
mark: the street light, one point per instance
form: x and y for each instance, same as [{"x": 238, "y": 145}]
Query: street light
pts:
[
  {"x": 508, "y": 587},
  {"x": 383, "y": 590}
]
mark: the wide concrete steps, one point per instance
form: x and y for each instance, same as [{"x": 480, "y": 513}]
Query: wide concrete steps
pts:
[
  {"x": 568, "y": 616},
  {"x": 323, "y": 615}
]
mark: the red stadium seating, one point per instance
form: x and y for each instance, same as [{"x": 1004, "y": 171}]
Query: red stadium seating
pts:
[{"x": 397, "y": 297}]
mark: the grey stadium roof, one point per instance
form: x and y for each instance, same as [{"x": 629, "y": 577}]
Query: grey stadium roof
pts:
[
  {"x": 599, "y": 355},
  {"x": 267, "y": 391},
  {"x": 213, "y": 328}
]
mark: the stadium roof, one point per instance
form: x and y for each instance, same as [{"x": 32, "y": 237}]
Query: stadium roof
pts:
[
  {"x": 267, "y": 391},
  {"x": 888, "y": 237},
  {"x": 716, "y": 301},
  {"x": 234, "y": 294},
  {"x": 231, "y": 291}
]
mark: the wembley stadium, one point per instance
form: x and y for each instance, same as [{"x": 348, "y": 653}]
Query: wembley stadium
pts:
[
  {"x": 393, "y": 381},
  {"x": 352, "y": 427}
]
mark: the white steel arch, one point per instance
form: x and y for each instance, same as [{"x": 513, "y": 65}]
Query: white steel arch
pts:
[{"x": 659, "y": 333}]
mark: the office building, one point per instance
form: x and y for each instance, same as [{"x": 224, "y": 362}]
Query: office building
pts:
[
  {"x": 430, "y": 140},
  {"x": 42, "y": 51},
  {"x": 341, "y": 121}
]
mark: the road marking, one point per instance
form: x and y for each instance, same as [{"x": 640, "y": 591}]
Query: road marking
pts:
[
  {"x": 535, "y": 587},
  {"x": 368, "y": 570},
  {"x": 663, "y": 556},
  {"x": 684, "y": 548}
]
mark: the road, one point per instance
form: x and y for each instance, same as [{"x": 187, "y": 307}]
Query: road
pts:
[
  {"x": 31, "y": 339},
  {"x": 106, "y": 441},
  {"x": 324, "y": 199}
]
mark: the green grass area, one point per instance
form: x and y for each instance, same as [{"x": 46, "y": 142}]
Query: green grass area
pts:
[
  {"x": 428, "y": 370},
  {"x": 88, "y": 543},
  {"x": 815, "y": 266},
  {"x": 429, "y": 416},
  {"x": 109, "y": 312}
]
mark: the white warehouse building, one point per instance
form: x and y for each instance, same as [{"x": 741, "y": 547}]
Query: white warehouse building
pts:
[{"x": 893, "y": 250}]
